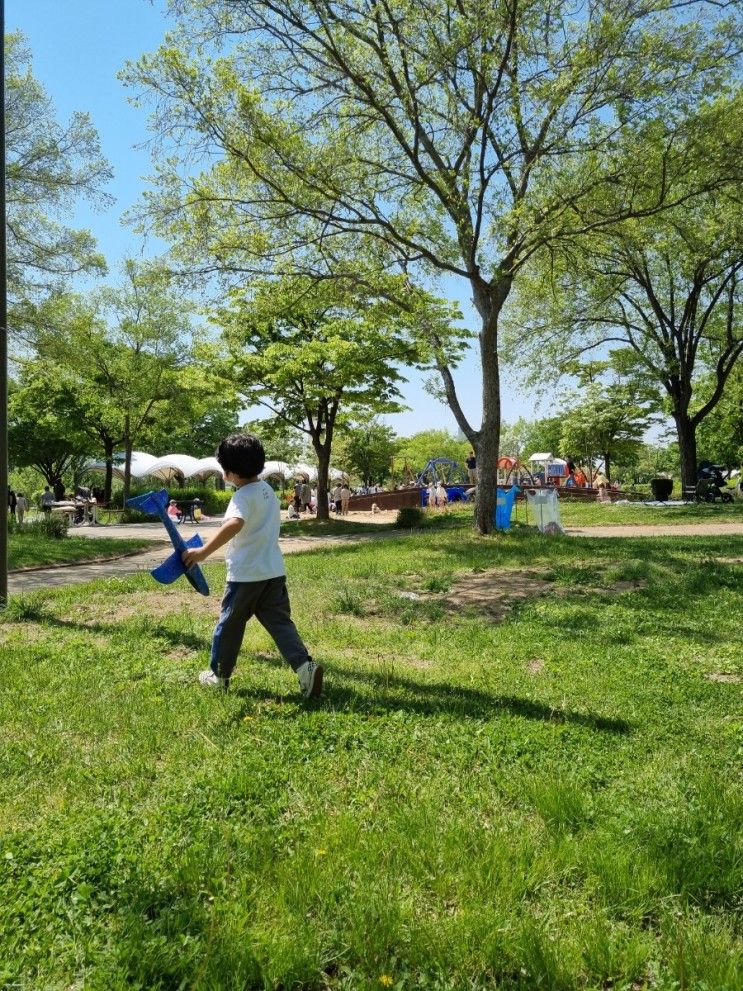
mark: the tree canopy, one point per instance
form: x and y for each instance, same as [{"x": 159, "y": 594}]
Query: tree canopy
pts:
[
  {"x": 458, "y": 138},
  {"x": 50, "y": 167}
]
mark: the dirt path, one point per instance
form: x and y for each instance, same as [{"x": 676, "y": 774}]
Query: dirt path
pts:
[
  {"x": 658, "y": 530},
  {"x": 74, "y": 574}
]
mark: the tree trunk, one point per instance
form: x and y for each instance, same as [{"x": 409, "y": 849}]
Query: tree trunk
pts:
[
  {"x": 607, "y": 466},
  {"x": 489, "y": 304},
  {"x": 687, "y": 438},
  {"x": 323, "y": 470},
  {"x": 108, "y": 453},
  {"x": 127, "y": 462}
]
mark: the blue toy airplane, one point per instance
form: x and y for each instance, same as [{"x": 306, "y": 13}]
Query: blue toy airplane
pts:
[{"x": 156, "y": 503}]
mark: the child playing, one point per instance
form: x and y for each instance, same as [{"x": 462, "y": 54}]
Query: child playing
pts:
[
  {"x": 174, "y": 512},
  {"x": 256, "y": 578}
]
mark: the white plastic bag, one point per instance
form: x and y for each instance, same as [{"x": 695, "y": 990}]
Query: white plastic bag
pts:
[{"x": 543, "y": 503}]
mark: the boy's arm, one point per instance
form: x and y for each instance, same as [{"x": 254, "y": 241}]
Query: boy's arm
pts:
[{"x": 224, "y": 534}]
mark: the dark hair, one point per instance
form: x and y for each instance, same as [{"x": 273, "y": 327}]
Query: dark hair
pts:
[{"x": 242, "y": 454}]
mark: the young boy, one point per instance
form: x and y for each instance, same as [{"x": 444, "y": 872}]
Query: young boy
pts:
[{"x": 256, "y": 578}]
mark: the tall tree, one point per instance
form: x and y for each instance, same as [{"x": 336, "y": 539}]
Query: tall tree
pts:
[
  {"x": 461, "y": 138},
  {"x": 367, "y": 450},
  {"x": 313, "y": 354},
  {"x": 604, "y": 423},
  {"x": 720, "y": 435},
  {"x": 50, "y": 166},
  {"x": 128, "y": 348},
  {"x": 45, "y": 428},
  {"x": 665, "y": 293}
]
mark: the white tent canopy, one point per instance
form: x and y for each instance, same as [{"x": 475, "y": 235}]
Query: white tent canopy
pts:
[
  {"x": 172, "y": 466},
  {"x": 547, "y": 457},
  {"x": 184, "y": 467}
]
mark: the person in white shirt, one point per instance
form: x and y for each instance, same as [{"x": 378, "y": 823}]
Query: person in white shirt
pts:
[
  {"x": 442, "y": 496},
  {"x": 21, "y": 505},
  {"x": 345, "y": 497},
  {"x": 256, "y": 577}
]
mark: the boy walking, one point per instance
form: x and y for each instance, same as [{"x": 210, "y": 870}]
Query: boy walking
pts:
[{"x": 256, "y": 577}]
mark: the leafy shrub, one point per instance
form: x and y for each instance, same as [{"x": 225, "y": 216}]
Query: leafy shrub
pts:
[
  {"x": 25, "y": 608},
  {"x": 214, "y": 501},
  {"x": 409, "y": 517},
  {"x": 51, "y": 525},
  {"x": 136, "y": 516}
]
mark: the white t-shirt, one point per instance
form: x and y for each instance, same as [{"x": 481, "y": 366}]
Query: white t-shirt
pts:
[{"x": 253, "y": 555}]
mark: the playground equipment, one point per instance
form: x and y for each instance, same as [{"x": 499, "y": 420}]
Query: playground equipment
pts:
[
  {"x": 444, "y": 470},
  {"x": 553, "y": 470},
  {"x": 510, "y": 469}
]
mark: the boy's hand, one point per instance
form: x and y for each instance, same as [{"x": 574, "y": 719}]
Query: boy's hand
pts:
[{"x": 192, "y": 556}]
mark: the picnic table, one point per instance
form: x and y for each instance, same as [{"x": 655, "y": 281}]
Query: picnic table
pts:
[{"x": 187, "y": 508}]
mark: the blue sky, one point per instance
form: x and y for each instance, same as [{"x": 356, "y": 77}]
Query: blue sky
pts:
[{"x": 78, "y": 47}]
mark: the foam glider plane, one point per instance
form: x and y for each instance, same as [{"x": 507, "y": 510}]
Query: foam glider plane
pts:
[{"x": 156, "y": 504}]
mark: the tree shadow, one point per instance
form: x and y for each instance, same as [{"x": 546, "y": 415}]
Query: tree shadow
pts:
[{"x": 429, "y": 699}]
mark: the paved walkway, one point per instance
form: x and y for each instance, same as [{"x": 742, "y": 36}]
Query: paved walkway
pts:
[
  {"x": 77, "y": 573},
  {"x": 28, "y": 581}
]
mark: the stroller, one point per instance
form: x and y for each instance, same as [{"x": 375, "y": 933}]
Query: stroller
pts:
[{"x": 710, "y": 483}]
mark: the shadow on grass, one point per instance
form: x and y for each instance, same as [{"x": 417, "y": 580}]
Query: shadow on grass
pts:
[{"x": 392, "y": 693}]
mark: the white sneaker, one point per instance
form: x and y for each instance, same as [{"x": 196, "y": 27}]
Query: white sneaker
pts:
[
  {"x": 310, "y": 679},
  {"x": 210, "y": 680}
]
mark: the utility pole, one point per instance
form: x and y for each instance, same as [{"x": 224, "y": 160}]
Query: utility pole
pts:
[{"x": 3, "y": 334}]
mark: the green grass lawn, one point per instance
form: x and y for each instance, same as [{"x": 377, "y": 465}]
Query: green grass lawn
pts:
[
  {"x": 574, "y": 512},
  {"x": 334, "y": 527},
  {"x": 525, "y": 773},
  {"x": 26, "y": 550}
]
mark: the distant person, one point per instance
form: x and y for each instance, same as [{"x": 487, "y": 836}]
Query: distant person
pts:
[
  {"x": 174, "y": 512},
  {"x": 431, "y": 496},
  {"x": 336, "y": 498},
  {"x": 47, "y": 500},
  {"x": 471, "y": 462},
  {"x": 256, "y": 576},
  {"x": 345, "y": 498},
  {"x": 306, "y": 497},
  {"x": 442, "y": 497},
  {"x": 21, "y": 505},
  {"x": 58, "y": 490},
  {"x": 12, "y": 502}
]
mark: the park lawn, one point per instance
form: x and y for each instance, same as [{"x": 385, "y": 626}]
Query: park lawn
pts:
[
  {"x": 575, "y": 512},
  {"x": 535, "y": 785},
  {"x": 335, "y": 526},
  {"x": 29, "y": 550}
]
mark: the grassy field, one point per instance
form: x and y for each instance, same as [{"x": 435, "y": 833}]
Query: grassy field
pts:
[
  {"x": 27, "y": 550},
  {"x": 573, "y": 513},
  {"x": 525, "y": 773}
]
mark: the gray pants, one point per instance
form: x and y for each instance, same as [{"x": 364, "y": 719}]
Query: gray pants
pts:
[{"x": 268, "y": 601}]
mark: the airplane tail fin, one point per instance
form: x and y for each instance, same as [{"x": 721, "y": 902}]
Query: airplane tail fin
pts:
[{"x": 150, "y": 502}]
